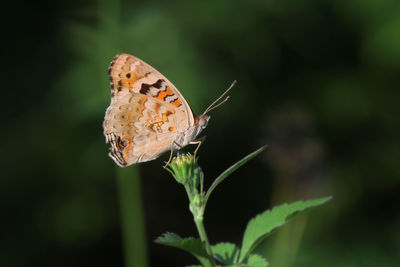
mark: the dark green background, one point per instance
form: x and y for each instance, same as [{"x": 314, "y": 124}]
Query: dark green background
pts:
[{"x": 318, "y": 81}]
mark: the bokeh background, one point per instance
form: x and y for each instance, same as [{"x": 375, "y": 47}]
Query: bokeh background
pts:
[{"x": 318, "y": 81}]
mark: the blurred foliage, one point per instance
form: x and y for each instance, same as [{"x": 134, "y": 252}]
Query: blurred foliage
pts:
[{"x": 317, "y": 81}]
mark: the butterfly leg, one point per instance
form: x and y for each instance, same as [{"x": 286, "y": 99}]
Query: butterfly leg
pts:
[
  {"x": 170, "y": 155},
  {"x": 198, "y": 143}
]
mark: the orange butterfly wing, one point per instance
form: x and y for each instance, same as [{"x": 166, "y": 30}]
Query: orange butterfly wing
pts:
[{"x": 146, "y": 114}]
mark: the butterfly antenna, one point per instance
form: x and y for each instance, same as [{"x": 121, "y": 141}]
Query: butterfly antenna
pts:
[{"x": 214, "y": 104}]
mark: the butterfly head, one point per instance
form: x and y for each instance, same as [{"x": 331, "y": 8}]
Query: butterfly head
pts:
[{"x": 202, "y": 121}]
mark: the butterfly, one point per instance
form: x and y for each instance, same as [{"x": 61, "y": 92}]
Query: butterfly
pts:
[{"x": 148, "y": 115}]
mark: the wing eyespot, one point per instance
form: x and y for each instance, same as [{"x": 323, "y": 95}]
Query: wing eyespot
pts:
[{"x": 123, "y": 143}]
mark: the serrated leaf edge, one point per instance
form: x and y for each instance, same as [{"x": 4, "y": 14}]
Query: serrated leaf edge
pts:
[
  {"x": 227, "y": 243},
  {"x": 286, "y": 218}
]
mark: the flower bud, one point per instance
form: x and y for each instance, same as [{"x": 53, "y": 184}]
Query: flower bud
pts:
[{"x": 183, "y": 167}]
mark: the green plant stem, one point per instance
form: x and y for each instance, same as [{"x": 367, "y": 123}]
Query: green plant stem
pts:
[
  {"x": 204, "y": 238},
  {"x": 198, "y": 213},
  {"x": 132, "y": 218}
]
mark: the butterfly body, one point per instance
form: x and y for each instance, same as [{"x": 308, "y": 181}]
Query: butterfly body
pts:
[
  {"x": 147, "y": 115},
  {"x": 190, "y": 134}
]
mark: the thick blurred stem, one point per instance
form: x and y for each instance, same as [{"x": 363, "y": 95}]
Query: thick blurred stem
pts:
[
  {"x": 132, "y": 218},
  {"x": 130, "y": 199}
]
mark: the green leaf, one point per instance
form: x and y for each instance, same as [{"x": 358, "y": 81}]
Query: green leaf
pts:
[
  {"x": 260, "y": 226},
  {"x": 190, "y": 244},
  {"x": 255, "y": 260},
  {"x": 230, "y": 170},
  {"x": 226, "y": 253}
]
